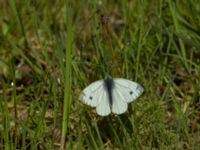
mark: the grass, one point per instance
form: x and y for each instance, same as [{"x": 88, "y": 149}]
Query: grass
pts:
[{"x": 51, "y": 50}]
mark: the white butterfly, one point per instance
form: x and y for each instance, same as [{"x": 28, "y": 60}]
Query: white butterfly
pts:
[{"x": 111, "y": 95}]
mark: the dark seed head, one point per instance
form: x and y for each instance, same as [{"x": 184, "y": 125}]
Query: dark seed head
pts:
[{"x": 90, "y": 97}]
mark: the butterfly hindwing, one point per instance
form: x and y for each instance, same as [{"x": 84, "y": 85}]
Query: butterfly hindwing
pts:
[
  {"x": 103, "y": 107},
  {"x": 119, "y": 105}
]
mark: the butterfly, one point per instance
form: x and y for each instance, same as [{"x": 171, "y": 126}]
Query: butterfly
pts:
[{"x": 111, "y": 95}]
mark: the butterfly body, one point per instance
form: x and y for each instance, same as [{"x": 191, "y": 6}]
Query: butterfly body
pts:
[
  {"x": 108, "y": 85},
  {"x": 111, "y": 95}
]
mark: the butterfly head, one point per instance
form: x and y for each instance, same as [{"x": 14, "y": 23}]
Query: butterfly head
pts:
[{"x": 108, "y": 77}]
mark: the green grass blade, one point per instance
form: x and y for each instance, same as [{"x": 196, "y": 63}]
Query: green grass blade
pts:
[{"x": 67, "y": 76}]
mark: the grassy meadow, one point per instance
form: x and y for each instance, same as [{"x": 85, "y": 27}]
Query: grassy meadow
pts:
[{"x": 51, "y": 50}]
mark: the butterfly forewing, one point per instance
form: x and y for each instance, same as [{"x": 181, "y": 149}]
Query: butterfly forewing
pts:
[
  {"x": 128, "y": 89},
  {"x": 92, "y": 94}
]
